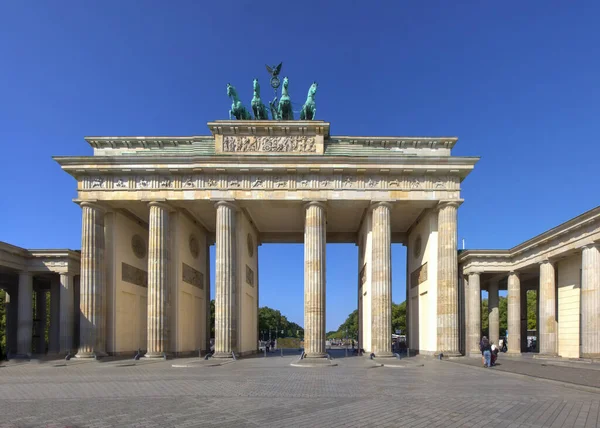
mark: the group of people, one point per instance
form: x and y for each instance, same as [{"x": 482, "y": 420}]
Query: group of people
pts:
[{"x": 489, "y": 351}]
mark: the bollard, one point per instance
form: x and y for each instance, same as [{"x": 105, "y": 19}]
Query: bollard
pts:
[
  {"x": 265, "y": 351},
  {"x": 407, "y": 352},
  {"x": 346, "y": 352},
  {"x": 281, "y": 352},
  {"x": 67, "y": 358}
]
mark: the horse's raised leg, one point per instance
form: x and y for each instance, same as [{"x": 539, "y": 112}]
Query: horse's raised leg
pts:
[
  {"x": 230, "y": 114},
  {"x": 314, "y": 113}
]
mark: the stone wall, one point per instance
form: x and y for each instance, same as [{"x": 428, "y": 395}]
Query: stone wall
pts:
[
  {"x": 422, "y": 283},
  {"x": 569, "y": 295},
  {"x": 364, "y": 282}
]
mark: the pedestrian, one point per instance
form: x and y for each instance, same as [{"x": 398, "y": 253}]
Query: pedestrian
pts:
[
  {"x": 494, "y": 351},
  {"x": 486, "y": 351}
]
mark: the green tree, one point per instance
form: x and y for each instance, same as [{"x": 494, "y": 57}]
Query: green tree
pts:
[
  {"x": 399, "y": 317},
  {"x": 531, "y": 310}
]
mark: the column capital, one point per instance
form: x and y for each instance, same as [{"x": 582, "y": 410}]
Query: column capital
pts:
[
  {"x": 547, "y": 260},
  {"x": 92, "y": 204},
  {"x": 449, "y": 203},
  {"x": 161, "y": 203},
  {"x": 514, "y": 272},
  {"x": 589, "y": 245},
  {"x": 315, "y": 202},
  {"x": 230, "y": 203},
  {"x": 469, "y": 272},
  {"x": 376, "y": 204}
]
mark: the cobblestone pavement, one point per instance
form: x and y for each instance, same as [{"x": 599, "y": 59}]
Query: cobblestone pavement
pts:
[
  {"x": 560, "y": 371},
  {"x": 268, "y": 392}
]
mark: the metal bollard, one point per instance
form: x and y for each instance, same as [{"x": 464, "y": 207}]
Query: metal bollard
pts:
[
  {"x": 265, "y": 351},
  {"x": 281, "y": 352},
  {"x": 407, "y": 352},
  {"x": 346, "y": 352}
]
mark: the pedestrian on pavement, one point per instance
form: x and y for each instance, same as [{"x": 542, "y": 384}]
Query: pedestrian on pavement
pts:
[{"x": 486, "y": 351}]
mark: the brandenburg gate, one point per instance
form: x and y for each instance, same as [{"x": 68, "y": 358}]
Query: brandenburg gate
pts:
[{"x": 152, "y": 206}]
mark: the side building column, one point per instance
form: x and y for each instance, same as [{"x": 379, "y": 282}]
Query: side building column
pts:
[
  {"x": 158, "y": 280},
  {"x": 447, "y": 304},
  {"x": 514, "y": 313},
  {"x": 547, "y": 325},
  {"x": 25, "y": 314},
  {"x": 40, "y": 309},
  {"x": 314, "y": 280},
  {"x": 493, "y": 313},
  {"x": 54, "y": 334},
  {"x": 225, "y": 278},
  {"x": 381, "y": 281},
  {"x": 474, "y": 315},
  {"x": 92, "y": 339},
  {"x": 66, "y": 315},
  {"x": 590, "y": 301}
]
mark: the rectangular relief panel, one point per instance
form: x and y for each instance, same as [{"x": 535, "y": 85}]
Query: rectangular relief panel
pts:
[{"x": 192, "y": 276}]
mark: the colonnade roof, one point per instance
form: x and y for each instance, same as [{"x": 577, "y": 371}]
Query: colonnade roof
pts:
[
  {"x": 15, "y": 259},
  {"x": 559, "y": 242}
]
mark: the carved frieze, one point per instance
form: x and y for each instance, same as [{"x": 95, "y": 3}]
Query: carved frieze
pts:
[
  {"x": 268, "y": 144},
  {"x": 192, "y": 276},
  {"x": 249, "y": 276},
  {"x": 418, "y": 276},
  {"x": 134, "y": 275},
  {"x": 275, "y": 181}
]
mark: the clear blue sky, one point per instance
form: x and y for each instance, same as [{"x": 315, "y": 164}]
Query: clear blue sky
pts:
[{"x": 517, "y": 82}]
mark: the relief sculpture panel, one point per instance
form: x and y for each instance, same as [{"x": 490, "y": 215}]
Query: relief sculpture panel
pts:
[{"x": 293, "y": 143}]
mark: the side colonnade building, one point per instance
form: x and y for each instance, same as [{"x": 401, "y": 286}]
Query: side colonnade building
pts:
[{"x": 563, "y": 266}]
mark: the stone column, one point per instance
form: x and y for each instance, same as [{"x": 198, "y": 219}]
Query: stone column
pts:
[
  {"x": 474, "y": 313},
  {"x": 524, "y": 319},
  {"x": 25, "y": 315},
  {"x": 493, "y": 313},
  {"x": 590, "y": 302},
  {"x": 40, "y": 313},
  {"x": 66, "y": 313},
  {"x": 226, "y": 281},
  {"x": 12, "y": 318},
  {"x": 381, "y": 281},
  {"x": 158, "y": 280},
  {"x": 547, "y": 325},
  {"x": 92, "y": 333},
  {"x": 447, "y": 304},
  {"x": 315, "y": 229},
  {"x": 54, "y": 334},
  {"x": 514, "y": 313}
]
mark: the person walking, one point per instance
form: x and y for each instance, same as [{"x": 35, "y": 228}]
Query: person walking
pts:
[{"x": 486, "y": 351}]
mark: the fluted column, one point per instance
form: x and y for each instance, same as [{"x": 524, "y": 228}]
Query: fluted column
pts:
[
  {"x": 474, "y": 314},
  {"x": 590, "y": 302},
  {"x": 226, "y": 284},
  {"x": 493, "y": 313},
  {"x": 40, "y": 309},
  {"x": 158, "y": 280},
  {"x": 514, "y": 313},
  {"x": 314, "y": 280},
  {"x": 447, "y": 304},
  {"x": 25, "y": 314},
  {"x": 54, "y": 334},
  {"x": 547, "y": 313},
  {"x": 92, "y": 333},
  {"x": 67, "y": 326},
  {"x": 381, "y": 281}
]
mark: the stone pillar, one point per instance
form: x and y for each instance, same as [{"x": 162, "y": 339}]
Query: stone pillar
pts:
[
  {"x": 92, "y": 330},
  {"x": 381, "y": 281},
  {"x": 590, "y": 302},
  {"x": 12, "y": 318},
  {"x": 25, "y": 315},
  {"x": 40, "y": 314},
  {"x": 474, "y": 314},
  {"x": 524, "y": 319},
  {"x": 66, "y": 316},
  {"x": 447, "y": 305},
  {"x": 226, "y": 281},
  {"x": 158, "y": 280},
  {"x": 547, "y": 325},
  {"x": 514, "y": 313},
  {"x": 315, "y": 232},
  {"x": 54, "y": 334},
  {"x": 493, "y": 313}
]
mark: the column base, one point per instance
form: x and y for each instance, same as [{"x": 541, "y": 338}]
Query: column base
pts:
[
  {"x": 545, "y": 355},
  {"x": 313, "y": 362},
  {"x": 513, "y": 353},
  {"x": 449, "y": 354},
  {"x": 223, "y": 355},
  {"x": 155, "y": 355},
  {"x": 316, "y": 355},
  {"x": 96, "y": 354},
  {"x": 384, "y": 355},
  {"x": 592, "y": 356}
]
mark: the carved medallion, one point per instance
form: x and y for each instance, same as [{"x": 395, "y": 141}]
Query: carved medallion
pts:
[
  {"x": 250, "y": 243},
  {"x": 138, "y": 245},
  {"x": 194, "y": 246}
]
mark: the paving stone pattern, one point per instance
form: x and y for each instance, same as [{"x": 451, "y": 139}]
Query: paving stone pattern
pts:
[{"x": 268, "y": 392}]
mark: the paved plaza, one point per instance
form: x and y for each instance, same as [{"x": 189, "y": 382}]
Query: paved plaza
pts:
[{"x": 268, "y": 392}]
